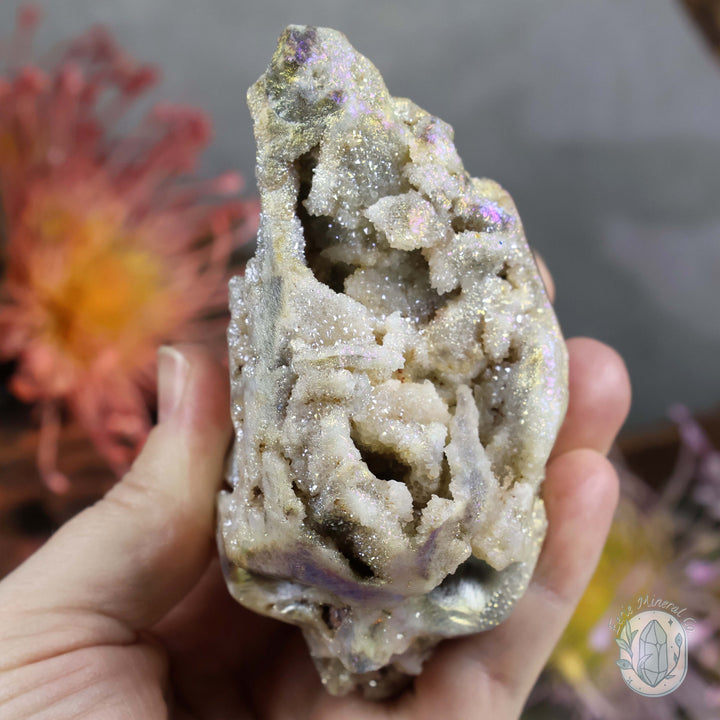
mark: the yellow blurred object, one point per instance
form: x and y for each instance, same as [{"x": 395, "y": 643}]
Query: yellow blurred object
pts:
[{"x": 633, "y": 563}]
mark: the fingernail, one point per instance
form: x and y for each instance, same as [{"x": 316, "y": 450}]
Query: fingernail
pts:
[{"x": 172, "y": 377}]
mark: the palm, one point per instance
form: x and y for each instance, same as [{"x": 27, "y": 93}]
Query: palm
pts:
[
  {"x": 226, "y": 659},
  {"x": 141, "y": 616}
]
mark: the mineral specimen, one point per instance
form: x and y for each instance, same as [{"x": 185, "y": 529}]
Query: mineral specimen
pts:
[{"x": 398, "y": 378}]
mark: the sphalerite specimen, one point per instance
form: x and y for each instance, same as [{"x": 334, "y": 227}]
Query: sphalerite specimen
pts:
[{"x": 398, "y": 378}]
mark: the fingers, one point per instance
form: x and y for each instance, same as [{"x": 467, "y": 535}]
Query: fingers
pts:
[
  {"x": 599, "y": 387},
  {"x": 498, "y": 668},
  {"x": 599, "y": 398},
  {"x": 290, "y": 684},
  {"x": 545, "y": 275},
  {"x": 218, "y": 648},
  {"x": 580, "y": 493},
  {"x": 136, "y": 552}
]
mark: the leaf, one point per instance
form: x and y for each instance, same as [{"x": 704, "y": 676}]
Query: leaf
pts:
[
  {"x": 668, "y": 677},
  {"x": 675, "y": 657},
  {"x": 622, "y": 644},
  {"x": 678, "y": 640},
  {"x": 624, "y": 664},
  {"x": 626, "y": 632},
  {"x": 634, "y": 633}
]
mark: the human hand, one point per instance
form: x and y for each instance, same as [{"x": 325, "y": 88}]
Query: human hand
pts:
[{"x": 124, "y": 613}]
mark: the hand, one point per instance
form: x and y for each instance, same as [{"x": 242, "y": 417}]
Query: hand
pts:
[{"x": 124, "y": 614}]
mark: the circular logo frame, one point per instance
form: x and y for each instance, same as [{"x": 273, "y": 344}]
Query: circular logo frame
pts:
[{"x": 653, "y": 653}]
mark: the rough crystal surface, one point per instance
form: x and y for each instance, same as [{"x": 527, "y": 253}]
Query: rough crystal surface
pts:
[{"x": 398, "y": 378}]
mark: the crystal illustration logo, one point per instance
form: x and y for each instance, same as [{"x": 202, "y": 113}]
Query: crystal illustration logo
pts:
[{"x": 653, "y": 653}]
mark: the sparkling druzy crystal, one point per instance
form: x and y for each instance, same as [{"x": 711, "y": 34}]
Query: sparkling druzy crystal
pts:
[{"x": 398, "y": 378}]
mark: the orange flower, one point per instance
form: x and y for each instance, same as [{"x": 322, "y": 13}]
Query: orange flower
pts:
[{"x": 108, "y": 252}]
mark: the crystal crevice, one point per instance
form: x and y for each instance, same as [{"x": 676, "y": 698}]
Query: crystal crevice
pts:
[{"x": 398, "y": 378}]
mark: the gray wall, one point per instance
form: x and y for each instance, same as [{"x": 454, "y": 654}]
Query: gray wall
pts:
[{"x": 602, "y": 119}]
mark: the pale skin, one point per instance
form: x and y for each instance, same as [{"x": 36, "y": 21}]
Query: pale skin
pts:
[{"x": 123, "y": 613}]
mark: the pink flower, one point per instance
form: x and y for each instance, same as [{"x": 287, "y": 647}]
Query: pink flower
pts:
[
  {"x": 701, "y": 458},
  {"x": 109, "y": 251}
]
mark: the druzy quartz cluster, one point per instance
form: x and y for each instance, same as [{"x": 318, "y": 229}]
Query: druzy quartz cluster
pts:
[{"x": 398, "y": 378}]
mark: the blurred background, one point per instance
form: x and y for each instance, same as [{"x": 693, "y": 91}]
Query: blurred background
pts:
[{"x": 601, "y": 118}]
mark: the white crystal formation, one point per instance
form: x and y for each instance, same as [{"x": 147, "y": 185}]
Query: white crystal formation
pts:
[{"x": 398, "y": 378}]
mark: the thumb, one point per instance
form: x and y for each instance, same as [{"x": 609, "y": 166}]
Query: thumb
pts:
[{"x": 141, "y": 548}]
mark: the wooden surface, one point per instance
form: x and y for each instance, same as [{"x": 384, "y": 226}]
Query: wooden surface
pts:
[
  {"x": 706, "y": 14},
  {"x": 29, "y": 512},
  {"x": 651, "y": 453}
]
